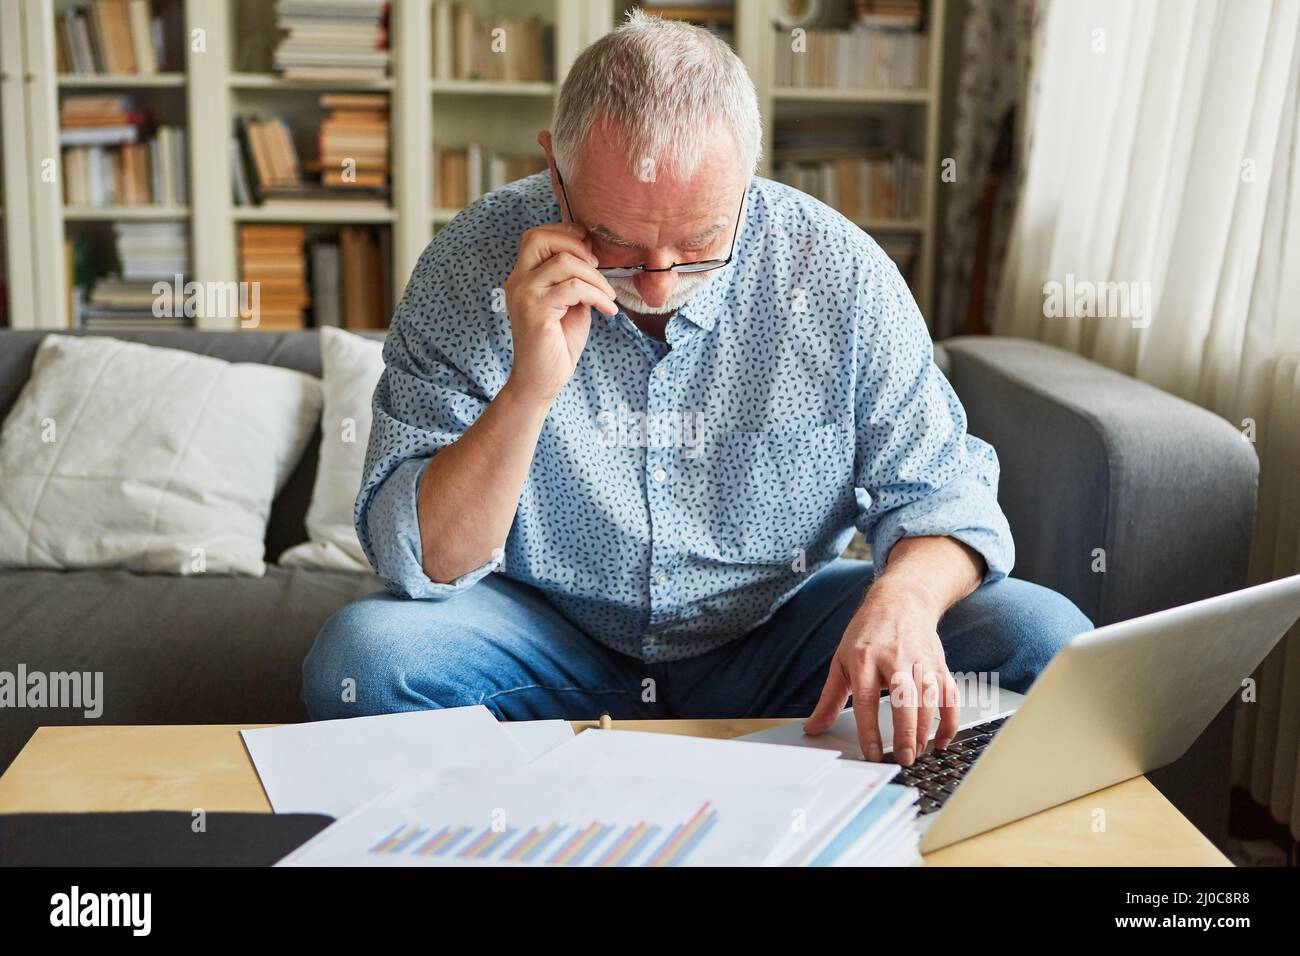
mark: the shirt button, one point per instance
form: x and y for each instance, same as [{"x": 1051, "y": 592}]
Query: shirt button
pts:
[
  {"x": 660, "y": 474},
  {"x": 661, "y": 578},
  {"x": 661, "y": 372}
]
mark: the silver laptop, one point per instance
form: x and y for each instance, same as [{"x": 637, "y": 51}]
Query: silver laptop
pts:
[{"x": 1114, "y": 703}]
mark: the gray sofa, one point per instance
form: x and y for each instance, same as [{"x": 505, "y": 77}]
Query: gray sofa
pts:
[{"x": 1090, "y": 459}]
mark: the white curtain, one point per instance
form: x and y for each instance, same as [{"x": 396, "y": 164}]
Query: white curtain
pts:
[{"x": 1163, "y": 153}]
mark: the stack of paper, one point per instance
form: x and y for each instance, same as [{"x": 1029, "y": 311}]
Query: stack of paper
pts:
[
  {"x": 335, "y": 766},
  {"x": 456, "y": 788}
]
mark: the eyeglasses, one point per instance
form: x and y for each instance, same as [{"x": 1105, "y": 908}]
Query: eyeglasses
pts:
[{"x": 626, "y": 272}]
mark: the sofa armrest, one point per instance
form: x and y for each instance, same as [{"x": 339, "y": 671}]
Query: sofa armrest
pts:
[{"x": 1092, "y": 458}]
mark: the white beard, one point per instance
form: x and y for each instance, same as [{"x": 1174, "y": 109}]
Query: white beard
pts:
[{"x": 687, "y": 285}]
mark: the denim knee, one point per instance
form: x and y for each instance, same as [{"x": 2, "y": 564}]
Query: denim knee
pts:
[
  {"x": 1043, "y": 621},
  {"x": 370, "y": 658},
  {"x": 1012, "y": 628}
]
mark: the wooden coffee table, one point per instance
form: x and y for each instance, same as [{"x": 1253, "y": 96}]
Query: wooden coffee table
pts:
[{"x": 77, "y": 769}]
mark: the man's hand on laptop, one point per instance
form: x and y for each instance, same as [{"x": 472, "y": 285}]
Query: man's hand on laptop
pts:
[
  {"x": 549, "y": 297},
  {"x": 892, "y": 644}
]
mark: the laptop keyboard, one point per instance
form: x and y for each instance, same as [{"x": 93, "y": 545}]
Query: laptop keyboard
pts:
[{"x": 936, "y": 773}]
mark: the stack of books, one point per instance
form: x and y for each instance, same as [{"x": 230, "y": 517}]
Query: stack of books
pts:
[
  {"x": 117, "y": 36},
  {"x": 859, "y": 187},
  {"x": 99, "y": 120},
  {"x": 458, "y": 177},
  {"x": 467, "y": 46},
  {"x": 333, "y": 39},
  {"x": 148, "y": 290},
  {"x": 353, "y": 144},
  {"x": 104, "y": 161},
  {"x": 272, "y": 262}
]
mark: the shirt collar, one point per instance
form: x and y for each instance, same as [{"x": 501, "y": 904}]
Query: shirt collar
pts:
[{"x": 703, "y": 307}]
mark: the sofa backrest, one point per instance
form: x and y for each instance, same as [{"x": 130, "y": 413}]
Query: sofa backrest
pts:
[{"x": 295, "y": 350}]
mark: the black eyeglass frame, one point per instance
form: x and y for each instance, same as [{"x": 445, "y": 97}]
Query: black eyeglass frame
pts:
[{"x": 685, "y": 268}]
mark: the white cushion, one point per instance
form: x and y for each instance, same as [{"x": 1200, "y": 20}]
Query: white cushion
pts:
[
  {"x": 350, "y": 369},
  {"x": 118, "y": 454}
]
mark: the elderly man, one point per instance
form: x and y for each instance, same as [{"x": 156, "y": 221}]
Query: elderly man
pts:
[{"x": 654, "y": 394}]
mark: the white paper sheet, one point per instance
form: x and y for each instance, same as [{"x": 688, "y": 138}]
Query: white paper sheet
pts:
[
  {"x": 489, "y": 817},
  {"x": 638, "y": 753},
  {"x": 539, "y": 736},
  {"x": 335, "y": 766},
  {"x": 846, "y": 789},
  {"x": 841, "y": 790}
]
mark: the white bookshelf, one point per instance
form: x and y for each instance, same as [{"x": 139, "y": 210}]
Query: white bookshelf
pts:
[
  {"x": 223, "y": 78},
  {"x": 916, "y": 109},
  {"x": 341, "y": 213},
  {"x": 151, "y": 213}
]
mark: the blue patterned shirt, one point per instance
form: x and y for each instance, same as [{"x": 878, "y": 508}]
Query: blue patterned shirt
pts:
[{"x": 681, "y": 491}]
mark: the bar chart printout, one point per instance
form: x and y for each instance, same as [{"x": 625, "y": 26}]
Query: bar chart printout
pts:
[
  {"x": 555, "y": 843},
  {"x": 490, "y": 816}
]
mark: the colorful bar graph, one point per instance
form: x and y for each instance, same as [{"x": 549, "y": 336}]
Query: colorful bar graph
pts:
[
  {"x": 552, "y": 833},
  {"x": 684, "y": 838},
  {"x": 596, "y": 844}
]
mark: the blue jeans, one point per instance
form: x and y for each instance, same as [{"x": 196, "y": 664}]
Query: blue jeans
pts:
[{"x": 501, "y": 644}]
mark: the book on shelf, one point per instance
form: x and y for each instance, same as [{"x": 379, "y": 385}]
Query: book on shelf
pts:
[
  {"x": 459, "y": 174},
  {"x": 348, "y": 283},
  {"x": 243, "y": 188},
  {"x": 100, "y": 120},
  {"x": 271, "y": 157},
  {"x": 326, "y": 284},
  {"x": 332, "y": 40},
  {"x": 132, "y": 37},
  {"x": 470, "y": 46},
  {"x": 884, "y": 48},
  {"x": 105, "y": 162},
  {"x": 860, "y": 167},
  {"x": 353, "y": 162},
  {"x": 883, "y": 187},
  {"x": 364, "y": 258},
  {"x": 353, "y": 142},
  {"x": 131, "y": 297},
  {"x": 273, "y": 263}
]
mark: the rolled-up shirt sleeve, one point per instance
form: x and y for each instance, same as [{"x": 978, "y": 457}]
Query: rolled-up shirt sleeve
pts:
[
  {"x": 422, "y": 404},
  {"x": 918, "y": 471}
]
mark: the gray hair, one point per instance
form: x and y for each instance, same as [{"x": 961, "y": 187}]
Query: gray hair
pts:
[{"x": 662, "y": 86}]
